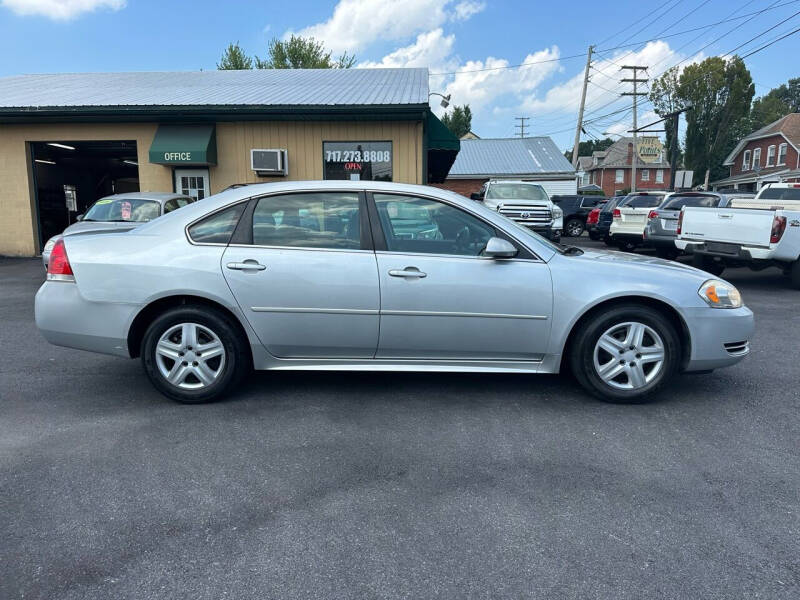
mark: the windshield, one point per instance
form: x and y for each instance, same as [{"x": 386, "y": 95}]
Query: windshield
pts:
[
  {"x": 515, "y": 191},
  {"x": 678, "y": 202},
  {"x": 523, "y": 231},
  {"x": 135, "y": 210},
  {"x": 776, "y": 193}
]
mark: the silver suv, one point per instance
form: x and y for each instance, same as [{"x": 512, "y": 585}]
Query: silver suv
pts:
[{"x": 526, "y": 203}]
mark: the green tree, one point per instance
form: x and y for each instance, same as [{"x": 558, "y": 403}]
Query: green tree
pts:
[
  {"x": 234, "y": 58},
  {"x": 301, "y": 53},
  {"x": 589, "y": 146},
  {"x": 719, "y": 91},
  {"x": 767, "y": 109},
  {"x": 665, "y": 100},
  {"x": 459, "y": 121}
]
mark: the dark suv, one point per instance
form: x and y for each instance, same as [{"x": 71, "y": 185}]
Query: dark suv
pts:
[
  {"x": 599, "y": 230},
  {"x": 576, "y": 209}
]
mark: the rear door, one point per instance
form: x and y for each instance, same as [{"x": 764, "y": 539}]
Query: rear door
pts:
[{"x": 303, "y": 271}]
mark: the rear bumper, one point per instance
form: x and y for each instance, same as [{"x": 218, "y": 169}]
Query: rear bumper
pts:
[
  {"x": 736, "y": 252},
  {"x": 67, "y": 319},
  {"x": 711, "y": 329},
  {"x": 660, "y": 240}
]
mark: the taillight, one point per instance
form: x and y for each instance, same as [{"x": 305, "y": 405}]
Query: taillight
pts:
[
  {"x": 594, "y": 216},
  {"x": 680, "y": 223},
  {"x": 653, "y": 214},
  {"x": 616, "y": 214},
  {"x": 58, "y": 268},
  {"x": 778, "y": 227}
]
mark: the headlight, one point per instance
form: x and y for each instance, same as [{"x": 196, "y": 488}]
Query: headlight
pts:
[
  {"x": 557, "y": 212},
  {"x": 719, "y": 294},
  {"x": 48, "y": 247}
]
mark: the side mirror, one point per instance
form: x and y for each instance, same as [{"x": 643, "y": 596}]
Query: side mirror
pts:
[
  {"x": 499, "y": 248},
  {"x": 475, "y": 196},
  {"x": 79, "y": 217}
]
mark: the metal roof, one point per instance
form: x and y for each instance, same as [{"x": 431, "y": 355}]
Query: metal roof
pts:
[
  {"x": 511, "y": 156},
  {"x": 268, "y": 87}
]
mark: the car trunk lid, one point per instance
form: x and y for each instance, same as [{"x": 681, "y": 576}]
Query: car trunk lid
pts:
[{"x": 747, "y": 227}]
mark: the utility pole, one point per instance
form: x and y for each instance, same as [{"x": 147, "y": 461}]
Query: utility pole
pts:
[
  {"x": 579, "y": 126},
  {"x": 635, "y": 80},
  {"x": 523, "y": 123}
]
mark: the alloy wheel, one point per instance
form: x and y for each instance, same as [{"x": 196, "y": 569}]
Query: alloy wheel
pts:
[
  {"x": 190, "y": 356},
  {"x": 628, "y": 356}
]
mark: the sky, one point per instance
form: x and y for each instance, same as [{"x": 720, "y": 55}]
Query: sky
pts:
[{"x": 471, "y": 47}]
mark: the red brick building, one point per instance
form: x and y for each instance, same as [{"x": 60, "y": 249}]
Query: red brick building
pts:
[
  {"x": 770, "y": 154},
  {"x": 611, "y": 169}
]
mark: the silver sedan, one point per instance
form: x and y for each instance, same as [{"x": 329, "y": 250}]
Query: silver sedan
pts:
[{"x": 370, "y": 276}]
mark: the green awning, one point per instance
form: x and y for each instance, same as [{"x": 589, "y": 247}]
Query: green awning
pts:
[
  {"x": 184, "y": 145},
  {"x": 442, "y": 146}
]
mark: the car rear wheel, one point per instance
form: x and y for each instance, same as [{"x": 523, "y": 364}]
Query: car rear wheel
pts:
[
  {"x": 667, "y": 253},
  {"x": 574, "y": 228},
  {"x": 625, "y": 354},
  {"x": 194, "y": 354},
  {"x": 627, "y": 246},
  {"x": 794, "y": 274},
  {"x": 708, "y": 264}
]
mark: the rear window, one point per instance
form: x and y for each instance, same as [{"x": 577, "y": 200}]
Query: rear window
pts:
[
  {"x": 610, "y": 205},
  {"x": 678, "y": 202},
  {"x": 642, "y": 201},
  {"x": 123, "y": 209},
  {"x": 776, "y": 193}
]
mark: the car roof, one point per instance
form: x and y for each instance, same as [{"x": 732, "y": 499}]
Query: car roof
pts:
[{"x": 515, "y": 181}]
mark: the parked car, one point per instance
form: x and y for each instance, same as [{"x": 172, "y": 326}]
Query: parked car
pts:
[
  {"x": 525, "y": 202},
  {"x": 662, "y": 222},
  {"x": 630, "y": 217},
  {"x": 576, "y": 210},
  {"x": 598, "y": 230},
  {"x": 327, "y": 275},
  {"x": 757, "y": 233},
  {"x": 120, "y": 211}
]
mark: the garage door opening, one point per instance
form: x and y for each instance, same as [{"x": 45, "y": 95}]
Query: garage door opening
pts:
[{"x": 69, "y": 176}]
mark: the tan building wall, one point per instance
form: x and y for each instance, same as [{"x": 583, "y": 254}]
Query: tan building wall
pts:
[{"x": 302, "y": 139}]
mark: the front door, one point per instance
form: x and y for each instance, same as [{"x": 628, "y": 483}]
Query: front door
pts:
[
  {"x": 192, "y": 182},
  {"x": 440, "y": 299},
  {"x": 306, "y": 277}
]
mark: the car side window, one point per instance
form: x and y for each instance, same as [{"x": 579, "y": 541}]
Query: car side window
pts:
[
  {"x": 422, "y": 225},
  {"x": 218, "y": 227},
  {"x": 170, "y": 205},
  {"x": 309, "y": 220}
]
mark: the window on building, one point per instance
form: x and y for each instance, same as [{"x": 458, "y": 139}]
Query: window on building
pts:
[
  {"x": 782, "y": 154},
  {"x": 746, "y": 160},
  {"x": 771, "y": 156},
  {"x": 645, "y": 174},
  {"x": 659, "y": 175},
  {"x": 314, "y": 220},
  {"x": 369, "y": 161},
  {"x": 427, "y": 226},
  {"x": 620, "y": 176},
  {"x": 756, "y": 158}
]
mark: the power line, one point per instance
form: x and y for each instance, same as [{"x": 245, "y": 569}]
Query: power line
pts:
[
  {"x": 523, "y": 123},
  {"x": 765, "y": 31},
  {"x": 767, "y": 45}
]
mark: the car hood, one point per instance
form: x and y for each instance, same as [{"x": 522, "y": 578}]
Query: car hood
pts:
[
  {"x": 86, "y": 226},
  {"x": 646, "y": 262}
]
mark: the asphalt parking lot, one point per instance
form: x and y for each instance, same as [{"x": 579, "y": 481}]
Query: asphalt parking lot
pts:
[{"x": 347, "y": 485}]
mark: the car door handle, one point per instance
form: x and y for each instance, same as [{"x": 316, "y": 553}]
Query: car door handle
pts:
[
  {"x": 407, "y": 272},
  {"x": 248, "y": 265}
]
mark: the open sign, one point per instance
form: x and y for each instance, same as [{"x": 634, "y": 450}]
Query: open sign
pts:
[{"x": 352, "y": 166}]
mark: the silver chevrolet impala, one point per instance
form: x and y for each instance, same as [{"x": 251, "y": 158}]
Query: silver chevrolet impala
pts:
[{"x": 369, "y": 276}]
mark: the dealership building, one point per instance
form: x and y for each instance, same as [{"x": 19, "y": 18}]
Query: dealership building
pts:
[{"x": 70, "y": 139}]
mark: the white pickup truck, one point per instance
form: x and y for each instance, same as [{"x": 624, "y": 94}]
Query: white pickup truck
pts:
[{"x": 757, "y": 233}]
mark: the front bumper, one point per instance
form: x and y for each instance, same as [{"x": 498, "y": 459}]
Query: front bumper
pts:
[
  {"x": 65, "y": 318},
  {"x": 711, "y": 329}
]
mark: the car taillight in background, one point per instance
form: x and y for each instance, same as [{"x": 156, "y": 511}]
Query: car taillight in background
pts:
[
  {"x": 778, "y": 227},
  {"x": 59, "y": 269},
  {"x": 594, "y": 216},
  {"x": 616, "y": 214},
  {"x": 653, "y": 214},
  {"x": 680, "y": 223}
]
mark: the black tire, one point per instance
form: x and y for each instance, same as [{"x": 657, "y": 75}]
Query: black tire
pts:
[
  {"x": 593, "y": 235},
  {"x": 581, "y": 352},
  {"x": 236, "y": 364},
  {"x": 794, "y": 274},
  {"x": 667, "y": 254},
  {"x": 708, "y": 264},
  {"x": 627, "y": 246},
  {"x": 609, "y": 241},
  {"x": 574, "y": 228}
]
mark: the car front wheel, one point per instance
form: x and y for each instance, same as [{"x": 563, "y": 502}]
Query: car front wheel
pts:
[
  {"x": 625, "y": 354},
  {"x": 194, "y": 354}
]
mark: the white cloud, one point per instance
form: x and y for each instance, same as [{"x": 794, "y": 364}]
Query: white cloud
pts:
[
  {"x": 59, "y": 10},
  {"x": 355, "y": 24},
  {"x": 464, "y": 10},
  {"x": 430, "y": 48}
]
